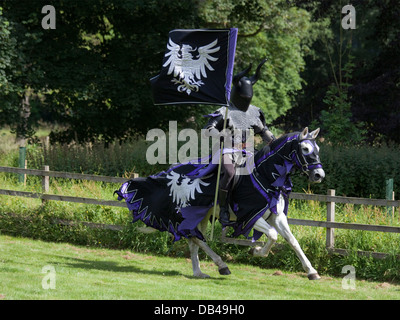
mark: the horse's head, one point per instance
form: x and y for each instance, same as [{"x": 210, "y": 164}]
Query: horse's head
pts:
[{"x": 309, "y": 156}]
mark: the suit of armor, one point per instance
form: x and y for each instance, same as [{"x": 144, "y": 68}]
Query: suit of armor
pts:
[{"x": 241, "y": 117}]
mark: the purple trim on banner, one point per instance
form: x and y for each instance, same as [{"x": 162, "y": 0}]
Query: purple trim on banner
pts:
[
  {"x": 202, "y": 171},
  {"x": 122, "y": 194},
  {"x": 231, "y": 59}
]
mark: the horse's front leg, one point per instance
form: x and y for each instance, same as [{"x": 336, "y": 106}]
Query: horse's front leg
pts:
[
  {"x": 263, "y": 226},
  {"x": 279, "y": 221},
  {"x": 222, "y": 267}
]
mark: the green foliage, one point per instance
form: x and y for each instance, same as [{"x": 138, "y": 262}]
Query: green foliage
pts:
[
  {"x": 352, "y": 171},
  {"x": 115, "y": 160},
  {"x": 31, "y": 219},
  {"x": 267, "y": 29},
  {"x": 337, "y": 122},
  {"x": 90, "y": 273},
  {"x": 8, "y": 71},
  {"x": 373, "y": 94},
  {"x": 19, "y": 73},
  {"x": 363, "y": 175},
  {"x": 97, "y": 63},
  {"x": 358, "y": 171},
  {"x": 91, "y": 73}
]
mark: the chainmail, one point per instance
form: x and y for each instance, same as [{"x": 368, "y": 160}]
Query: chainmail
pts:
[{"x": 238, "y": 119}]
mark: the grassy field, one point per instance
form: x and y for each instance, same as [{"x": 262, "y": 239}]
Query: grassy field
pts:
[
  {"x": 311, "y": 239},
  {"x": 30, "y": 218},
  {"x": 83, "y": 272}
]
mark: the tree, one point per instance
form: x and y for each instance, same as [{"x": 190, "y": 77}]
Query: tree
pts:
[
  {"x": 267, "y": 28},
  {"x": 337, "y": 121},
  {"x": 376, "y": 91},
  {"x": 14, "y": 82},
  {"x": 92, "y": 71},
  {"x": 8, "y": 55},
  {"x": 373, "y": 94},
  {"x": 91, "y": 74}
]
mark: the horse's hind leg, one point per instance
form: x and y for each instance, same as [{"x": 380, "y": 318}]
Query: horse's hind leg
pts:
[
  {"x": 194, "y": 250},
  {"x": 195, "y": 243},
  {"x": 222, "y": 267}
]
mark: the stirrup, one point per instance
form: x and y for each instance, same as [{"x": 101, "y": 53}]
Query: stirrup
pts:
[{"x": 224, "y": 218}]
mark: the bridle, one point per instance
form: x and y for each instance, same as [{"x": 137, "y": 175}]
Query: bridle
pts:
[{"x": 301, "y": 161}]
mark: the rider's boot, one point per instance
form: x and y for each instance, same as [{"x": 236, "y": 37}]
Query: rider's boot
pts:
[{"x": 224, "y": 208}]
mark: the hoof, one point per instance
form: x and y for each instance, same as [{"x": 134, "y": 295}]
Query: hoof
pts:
[
  {"x": 201, "y": 275},
  {"x": 224, "y": 271},
  {"x": 255, "y": 251},
  {"x": 314, "y": 276}
]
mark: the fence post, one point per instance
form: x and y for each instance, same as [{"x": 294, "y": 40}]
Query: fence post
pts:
[
  {"x": 21, "y": 162},
  {"x": 389, "y": 194},
  {"x": 393, "y": 207},
  {"x": 330, "y": 217},
  {"x": 26, "y": 167},
  {"x": 45, "y": 183}
]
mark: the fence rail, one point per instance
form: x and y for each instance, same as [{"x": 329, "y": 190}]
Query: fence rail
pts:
[
  {"x": 331, "y": 199},
  {"x": 66, "y": 175},
  {"x": 341, "y": 199},
  {"x": 55, "y": 197}
]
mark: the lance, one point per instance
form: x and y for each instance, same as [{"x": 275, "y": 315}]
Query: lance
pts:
[{"x": 218, "y": 178}]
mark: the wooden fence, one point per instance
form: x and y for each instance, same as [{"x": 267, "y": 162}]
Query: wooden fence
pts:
[{"x": 331, "y": 199}]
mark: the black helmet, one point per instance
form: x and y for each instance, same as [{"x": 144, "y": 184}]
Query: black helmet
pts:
[{"x": 242, "y": 91}]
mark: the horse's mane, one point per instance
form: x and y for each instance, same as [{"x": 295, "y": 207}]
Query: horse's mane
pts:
[{"x": 276, "y": 143}]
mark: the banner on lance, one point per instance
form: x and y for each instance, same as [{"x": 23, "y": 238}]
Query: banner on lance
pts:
[{"x": 197, "y": 67}]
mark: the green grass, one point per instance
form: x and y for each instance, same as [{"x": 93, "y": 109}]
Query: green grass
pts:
[
  {"x": 32, "y": 219},
  {"x": 311, "y": 239},
  {"x": 92, "y": 273}
]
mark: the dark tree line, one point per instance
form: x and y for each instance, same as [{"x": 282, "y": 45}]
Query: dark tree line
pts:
[
  {"x": 90, "y": 75},
  {"x": 374, "y": 86}
]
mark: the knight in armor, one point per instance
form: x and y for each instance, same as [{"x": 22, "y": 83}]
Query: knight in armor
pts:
[{"x": 241, "y": 117}]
